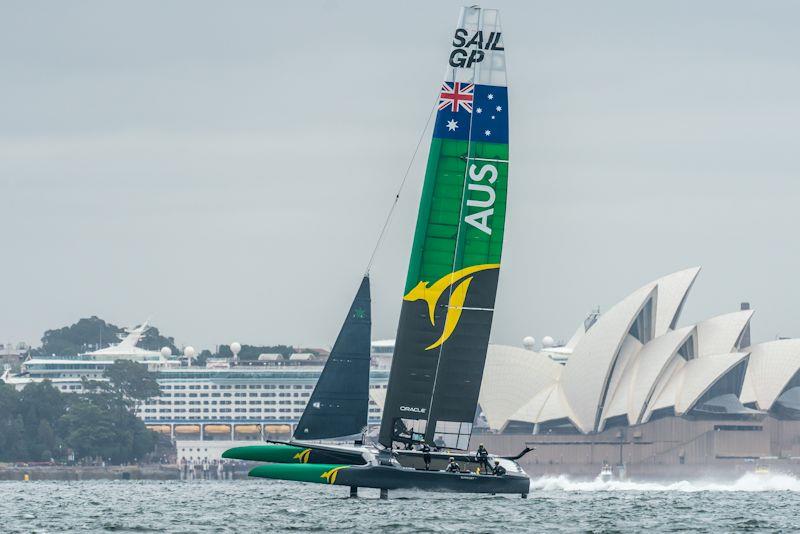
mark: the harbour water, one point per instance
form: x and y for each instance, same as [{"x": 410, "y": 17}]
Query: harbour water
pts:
[{"x": 753, "y": 503}]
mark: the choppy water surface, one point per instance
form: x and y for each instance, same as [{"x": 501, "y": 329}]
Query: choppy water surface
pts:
[{"x": 752, "y": 503}]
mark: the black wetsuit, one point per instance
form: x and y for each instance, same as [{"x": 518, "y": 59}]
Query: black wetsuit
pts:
[
  {"x": 453, "y": 467},
  {"x": 499, "y": 470},
  {"x": 483, "y": 459},
  {"x": 426, "y": 456}
]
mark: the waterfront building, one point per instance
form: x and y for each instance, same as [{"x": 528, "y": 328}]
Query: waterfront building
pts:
[
  {"x": 204, "y": 410},
  {"x": 641, "y": 389}
]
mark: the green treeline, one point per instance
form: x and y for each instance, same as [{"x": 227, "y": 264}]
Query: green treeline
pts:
[
  {"x": 92, "y": 334},
  {"x": 40, "y": 423}
]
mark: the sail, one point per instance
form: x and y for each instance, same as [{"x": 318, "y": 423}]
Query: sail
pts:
[
  {"x": 446, "y": 314},
  {"x": 340, "y": 402}
]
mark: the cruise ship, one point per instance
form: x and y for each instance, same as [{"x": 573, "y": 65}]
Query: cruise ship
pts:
[{"x": 205, "y": 410}]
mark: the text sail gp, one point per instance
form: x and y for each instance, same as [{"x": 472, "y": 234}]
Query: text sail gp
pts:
[
  {"x": 447, "y": 308},
  {"x": 470, "y": 49}
]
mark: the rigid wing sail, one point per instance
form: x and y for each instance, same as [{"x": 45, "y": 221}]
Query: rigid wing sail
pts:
[{"x": 446, "y": 314}]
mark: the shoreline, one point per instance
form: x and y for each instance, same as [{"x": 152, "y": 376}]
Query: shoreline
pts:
[{"x": 69, "y": 472}]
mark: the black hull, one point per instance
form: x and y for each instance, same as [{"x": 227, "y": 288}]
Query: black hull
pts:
[{"x": 393, "y": 478}]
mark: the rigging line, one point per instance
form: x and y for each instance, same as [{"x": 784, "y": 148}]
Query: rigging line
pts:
[
  {"x": 400, "y": 189},
  {"x": 458, "y": 231}
]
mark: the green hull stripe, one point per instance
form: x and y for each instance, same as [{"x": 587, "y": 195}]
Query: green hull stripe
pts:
[
  {"x": 297, "y": 472},
  {"x": 265, "y": 453}
]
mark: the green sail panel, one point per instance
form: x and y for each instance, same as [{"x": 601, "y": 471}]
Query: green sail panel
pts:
[{"x": 446, "y": 314}]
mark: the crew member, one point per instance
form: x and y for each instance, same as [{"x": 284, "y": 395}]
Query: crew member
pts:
[
  {"x": 499, "y": 470},
  {"x": 453, "y": 467},
  {"x": 482, "y": 455},
  {"x": 426, "y": 455}
]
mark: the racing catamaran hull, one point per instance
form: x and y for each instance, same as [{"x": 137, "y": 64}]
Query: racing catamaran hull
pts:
[
  {"x": 294, "y": 454},
  {"x": 394, "y": 478}
]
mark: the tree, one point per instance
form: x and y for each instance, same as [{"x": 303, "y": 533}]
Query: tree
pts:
[
  {"x": 131, "y": 380},
  {"x": 85, "y": 335},
  {"x": 101, "y": 425},
  {"x": 46, "y": 440},
  {"x": 153, "y": 340},
  {"x": 37, "y": 422},
  {"x": 12, "y": 428}
]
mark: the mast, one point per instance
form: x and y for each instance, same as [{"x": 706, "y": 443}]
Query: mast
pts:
[
  {"x": 339, "y": 405},
  {"x": 446, "y": 314}
]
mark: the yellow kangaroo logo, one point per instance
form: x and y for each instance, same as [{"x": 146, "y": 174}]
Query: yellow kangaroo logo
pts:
[
  {"x": 302, "y": 456},
  {"x": 431, "y": 294},
  {"x": 330, "y": 475}
]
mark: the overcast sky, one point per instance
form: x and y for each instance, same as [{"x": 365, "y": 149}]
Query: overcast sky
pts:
[{"x": 225, "y": 167}]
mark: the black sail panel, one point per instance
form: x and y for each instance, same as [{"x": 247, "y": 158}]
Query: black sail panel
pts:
[
  {"x": 340, "y": 402},
  {"x": 461, "y": 363}
]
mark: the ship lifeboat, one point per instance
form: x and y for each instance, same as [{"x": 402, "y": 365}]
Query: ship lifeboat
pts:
[
  {"x": 248, "y": 429},
  {"x": 187, "y": 429},
  {"x": 277, "y": 429},
  {"x": 161, "y": 429},
  {"x": 217, "y": 429}
]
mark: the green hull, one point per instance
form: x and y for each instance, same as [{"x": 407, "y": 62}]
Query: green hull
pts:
[
  {"x": 319, "y": 473},
  {"x": 290, "y": 454},
  {"x": 282, "y": 454}
]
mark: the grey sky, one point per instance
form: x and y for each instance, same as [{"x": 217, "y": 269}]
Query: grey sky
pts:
[{"x": 225, "y": 167}]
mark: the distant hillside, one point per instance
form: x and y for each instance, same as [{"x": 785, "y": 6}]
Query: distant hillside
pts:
[{"x": 92, "y": 334}]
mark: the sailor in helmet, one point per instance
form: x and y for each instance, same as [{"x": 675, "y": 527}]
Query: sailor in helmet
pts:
[
  {"x": 499, "y": 470},
  {"x": 482, "y": 456},
  {"x": 426, "y": 455},
  {"x": 453, "y": 467}
]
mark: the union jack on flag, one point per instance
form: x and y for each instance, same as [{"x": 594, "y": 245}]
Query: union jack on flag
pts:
[{"x": 456, "y": 95}]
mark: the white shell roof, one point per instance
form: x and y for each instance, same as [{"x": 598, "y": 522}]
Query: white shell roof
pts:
[
  {"x": 672, "y": 292},
  {"x": 700, "y": 374},
  {"x": 667, "y": 387},
  {"x": 771, "y": 366},
  {"x": 549, "y": 404},
  {"x": 719, "y": 334},
  {"x": 587, "y": 371},
  {"x": 653, "y": 364},
  {"x": 693, "y": 378},
  {"x": 641, "y": 376},
  {"x": 511, "y": 376},
  {"x": 620, "y": 383}
]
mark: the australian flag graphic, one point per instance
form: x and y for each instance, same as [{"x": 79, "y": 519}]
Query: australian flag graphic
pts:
[{"x": 485, "y": 105}]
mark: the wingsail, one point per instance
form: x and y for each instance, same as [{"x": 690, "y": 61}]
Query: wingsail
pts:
[
  {"x": 339, "y": 405},
  {"x": 446, "y": 314}
]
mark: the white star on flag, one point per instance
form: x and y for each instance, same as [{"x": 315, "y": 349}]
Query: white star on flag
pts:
[
  {"x": 499, "y": 108},
  {"x": 452, "y": 125},
  {"x": 491, "y": 96},
  {"x": 487, "y": 133},
  {"x": 479, "y": 110},
  {"x": 492, "y": 117}
]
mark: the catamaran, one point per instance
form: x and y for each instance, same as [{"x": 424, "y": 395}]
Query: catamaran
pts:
[{"x": 446, "y": 313}]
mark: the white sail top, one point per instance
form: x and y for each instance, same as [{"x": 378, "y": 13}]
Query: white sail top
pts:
[{"x": 478, "y": 54}]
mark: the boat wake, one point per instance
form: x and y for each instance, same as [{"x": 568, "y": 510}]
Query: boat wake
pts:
[{"x": 747, "y": 482}]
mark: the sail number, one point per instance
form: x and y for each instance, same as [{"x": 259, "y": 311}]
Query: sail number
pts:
[
  {"x": 481, "y": 195},
  {"x": 460, "y": 57}
]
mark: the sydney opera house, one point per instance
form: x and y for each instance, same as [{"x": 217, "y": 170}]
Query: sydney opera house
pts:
[{"x": 636, "y": 387}]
